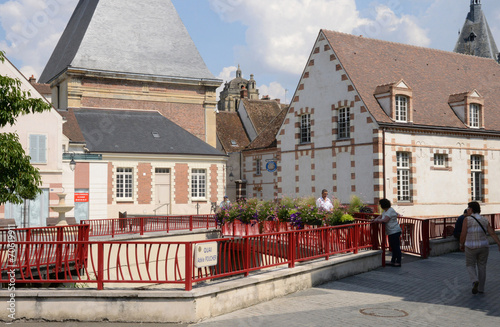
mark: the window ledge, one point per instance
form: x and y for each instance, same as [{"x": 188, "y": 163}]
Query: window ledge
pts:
[{"x": 441, "y": 168}]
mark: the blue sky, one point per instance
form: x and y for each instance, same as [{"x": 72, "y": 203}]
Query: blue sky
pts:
[{"x": 268, "y": 38}]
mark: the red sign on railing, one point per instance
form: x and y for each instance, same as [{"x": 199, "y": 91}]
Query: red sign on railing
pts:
[{"x": 81, "y": 197}]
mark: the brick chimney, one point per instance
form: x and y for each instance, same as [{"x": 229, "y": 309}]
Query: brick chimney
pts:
[
  {"x": 244, "y": 93},
  {"x": 266, "y": 97},
  {"x": 32, "y": 80}
]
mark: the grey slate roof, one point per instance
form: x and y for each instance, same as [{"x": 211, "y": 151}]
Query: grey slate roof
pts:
[
  {"x": 129, "y": 36},
  {"x": 129, "y": 131},
  {"x": 482, "y": 43}
]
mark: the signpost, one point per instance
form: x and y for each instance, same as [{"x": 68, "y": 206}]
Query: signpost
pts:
[{"x": 205, "y": 254}]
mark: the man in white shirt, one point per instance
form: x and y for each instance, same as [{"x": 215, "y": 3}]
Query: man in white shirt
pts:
[{"x": 324, "y": 203}]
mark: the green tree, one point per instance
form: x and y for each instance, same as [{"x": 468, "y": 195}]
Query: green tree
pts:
[{"x": 18, "y": 178}]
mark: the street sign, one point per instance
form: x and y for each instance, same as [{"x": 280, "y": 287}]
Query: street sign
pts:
[{"x": 205, "y": 254}]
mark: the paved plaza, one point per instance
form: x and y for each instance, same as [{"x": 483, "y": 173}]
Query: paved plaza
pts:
[{"x": 430, "y": 292}]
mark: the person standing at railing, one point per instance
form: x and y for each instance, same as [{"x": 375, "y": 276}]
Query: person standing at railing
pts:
[
  {"x": 458, "y": 225},
  {"x": 225, "y": 203},
  {"x": 392, "y": 229},
  {"x": 474, "y": 242},
  {"x": 324, "y": 203}
]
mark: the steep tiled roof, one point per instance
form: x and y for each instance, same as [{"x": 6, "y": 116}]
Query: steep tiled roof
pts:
[
  {"x": 433, "y": 76},
  {"x": 129, "y": 36},
  {"x": 71, "y": 128},
  {"x": 261, "y": 112},
  {"x": 267, "y": 138},
  {"x": 230, "y": 132}
]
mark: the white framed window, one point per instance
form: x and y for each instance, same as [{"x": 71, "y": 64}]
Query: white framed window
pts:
[
  {"x": 403, "y": 175},
  {"x": 344, "y": 123},
  {"x": 305, "y": 128},
  {"x": 440, "y": 160},
  {"x": 38, "y": 148},
  {"x": 198, "y": 183},
  {"x": 476, "y": 168},
  {"x": 401, "y": 108},
  {"x": 124, "y": 183},
  {"x": 474, "y": 114},
  {"x": 258, "y": 170}
]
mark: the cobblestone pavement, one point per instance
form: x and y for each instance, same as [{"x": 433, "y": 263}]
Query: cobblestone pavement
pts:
[{"x": 430, "y": 292}]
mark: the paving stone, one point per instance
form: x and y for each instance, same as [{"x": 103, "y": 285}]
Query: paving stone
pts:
[{"x": 430, "y": 292}]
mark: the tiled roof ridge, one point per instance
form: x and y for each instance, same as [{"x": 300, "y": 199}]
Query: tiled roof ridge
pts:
[{"x": 406, "y": 45}]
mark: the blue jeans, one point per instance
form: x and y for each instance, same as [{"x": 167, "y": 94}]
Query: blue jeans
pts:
[{"x": 396, "y": 247}]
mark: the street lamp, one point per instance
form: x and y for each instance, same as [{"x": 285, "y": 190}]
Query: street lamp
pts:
[
  {"x": 231, "y": 176},
  {"x": 72, "y": 163}
]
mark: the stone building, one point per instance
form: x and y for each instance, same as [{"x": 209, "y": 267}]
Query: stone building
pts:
[
  {"x": 379, "y": 119},
  {"x": 230, "y": 96},
  {"x": 123, "y": 61},
  {"x": 475, "y": 37}
]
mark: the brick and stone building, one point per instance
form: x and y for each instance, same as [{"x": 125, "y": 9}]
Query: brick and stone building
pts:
[
  {"x": 130, "y": 69},
  {"x": 378, "y": 119}
]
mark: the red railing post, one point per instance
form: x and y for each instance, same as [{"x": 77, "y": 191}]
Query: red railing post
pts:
[
  {"x": 247, "y": 256},
  {"x": 356, "y": 238},
  {"x": 141, "y": 225},
  {"x": 384, "y": 244},
  {"x": 100, "y": 266},
  {"x": 189, "y": 266},
  {"x": 425, "y": 239},
  {"x": 27, "y": 250},
  {"x": 326, "y": 242},
  {"x": 113, "y": 227},
  {"x": 60, "y": 238},
  {"x": 208, "y": 221},
  {"x": 291, "y": 250},
  {"x": 190, "y": 223},
  {"x": 375, "y": 236},
  {"x": 168, "y": 225}
]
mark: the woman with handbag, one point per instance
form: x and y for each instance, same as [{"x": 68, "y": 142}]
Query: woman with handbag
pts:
[{"x": 474, "y": 241}]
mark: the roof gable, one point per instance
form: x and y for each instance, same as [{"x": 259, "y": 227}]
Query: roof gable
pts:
[
  {"x": 261, "y": 112},
  {"x": 147, "y": 37},
  {"x": 267, "y": 138}
]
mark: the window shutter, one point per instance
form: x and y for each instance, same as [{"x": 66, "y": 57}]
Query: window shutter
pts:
[{"x": 38, "y": 148}]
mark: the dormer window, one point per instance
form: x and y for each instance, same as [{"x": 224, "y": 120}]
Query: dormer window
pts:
[
  {"x": 469, "y": 107},
  {"x": 474, "y": 115},
  {"x": 396, "y": 100},
  {"x": 401, "y": 108}
]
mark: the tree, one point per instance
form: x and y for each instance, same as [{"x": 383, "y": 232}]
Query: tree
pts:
[{"x": 19, "y": 180}]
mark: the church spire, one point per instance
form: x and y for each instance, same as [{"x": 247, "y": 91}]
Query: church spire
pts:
[{"x": 475, "y": 37}]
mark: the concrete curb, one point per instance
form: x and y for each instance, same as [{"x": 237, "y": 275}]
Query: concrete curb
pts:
[{"x": 175, "y": 306}]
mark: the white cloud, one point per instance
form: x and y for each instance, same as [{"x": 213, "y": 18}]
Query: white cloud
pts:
[
  {"x": 32, "y": 29},
  {"x": 275, "y": 91},
  {"x": 281, "y": 32}
]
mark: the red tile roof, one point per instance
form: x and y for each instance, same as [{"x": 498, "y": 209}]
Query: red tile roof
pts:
[
  {"x": 267, "y": 138},
  {"x": 71, "y": 129},
  {"x": 230, "y": 132},
  {"x": 433, "y": 75},
  {"x": 261, "y": 112}
]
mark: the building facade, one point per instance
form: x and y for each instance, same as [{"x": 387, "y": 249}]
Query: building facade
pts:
[{"x": 414, "y": 125}]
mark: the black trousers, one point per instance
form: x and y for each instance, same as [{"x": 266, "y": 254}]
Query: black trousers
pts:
[{"x": 396, "y": 247}]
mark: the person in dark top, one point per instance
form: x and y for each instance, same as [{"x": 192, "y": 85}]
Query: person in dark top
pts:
[{"x": 458, "y": 225}]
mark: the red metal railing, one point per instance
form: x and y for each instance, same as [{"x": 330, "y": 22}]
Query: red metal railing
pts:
[
  {"x": 173, "y": 262},
  {"x": 141, "y": 225}
]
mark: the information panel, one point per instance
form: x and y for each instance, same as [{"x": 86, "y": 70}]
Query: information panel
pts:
[{"x": 205, "y": 254}]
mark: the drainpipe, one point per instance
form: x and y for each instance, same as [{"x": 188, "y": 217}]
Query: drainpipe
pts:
[{"x": 383, "y": 163}]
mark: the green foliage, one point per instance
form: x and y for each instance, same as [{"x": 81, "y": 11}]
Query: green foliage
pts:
[
  {"x": 299, "y": 212},
  {"x": 355, "y": 205},
  {"x": 18, "y": 178}
]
